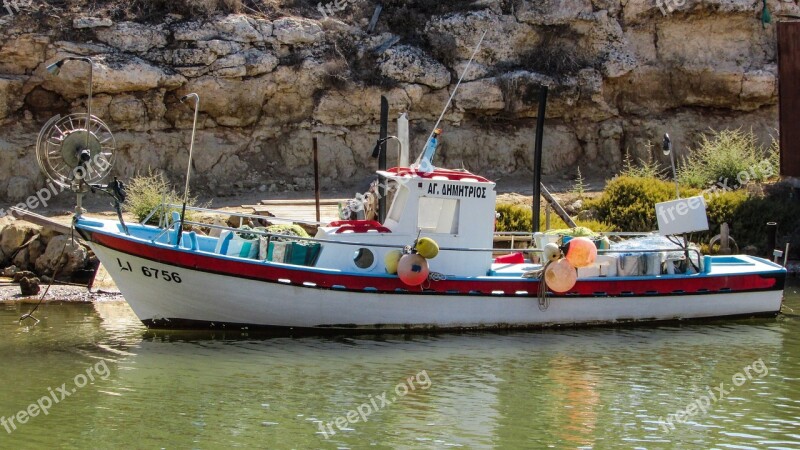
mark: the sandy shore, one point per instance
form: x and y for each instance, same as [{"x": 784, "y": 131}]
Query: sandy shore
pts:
[{"x": 60, "y": 293}]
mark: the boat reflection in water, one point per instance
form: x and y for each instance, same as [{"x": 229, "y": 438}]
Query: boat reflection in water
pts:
[{"x": 575, "y": 388}]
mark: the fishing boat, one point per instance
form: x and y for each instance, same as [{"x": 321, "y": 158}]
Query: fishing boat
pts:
[
  {"x": 428, "y": 265},
  {"x": 345, "y": 286}
]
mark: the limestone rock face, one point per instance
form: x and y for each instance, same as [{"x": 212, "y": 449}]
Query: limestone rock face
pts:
[
  {"x": 22, "y": 54},
  {"x": 111, "y": 76},
  {"x": 620, "y": 73},
  {"x": 19, "y": 188},
  {"x": 91, "y": 22},
  {"x": 457, "y": 34},
  {"x": 553, "y": 12},
  {"x": 132, "y": 37},
  {"x": 238, "y": 28},
  {"x": 410, "y": 65},
  {"x": 481, "y": 95},
  {"x": 10, "y": 95},
  {"x": 292, "y": 31}
]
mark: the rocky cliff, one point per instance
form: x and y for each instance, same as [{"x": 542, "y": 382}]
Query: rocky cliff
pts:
[{"x": 271, "y": 76}]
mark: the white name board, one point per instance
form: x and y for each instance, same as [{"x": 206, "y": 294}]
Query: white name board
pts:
[
  {"x": 456, "y": 190},
  {"x": 680, "y": 216}
]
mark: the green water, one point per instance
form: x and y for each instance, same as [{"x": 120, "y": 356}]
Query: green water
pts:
[{"x": 598, "y": 388}]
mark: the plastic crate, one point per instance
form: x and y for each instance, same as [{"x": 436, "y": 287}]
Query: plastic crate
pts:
[{"x": 298, "y": 253}]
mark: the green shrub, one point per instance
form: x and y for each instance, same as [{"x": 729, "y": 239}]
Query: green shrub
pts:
[
  {"x": 734, "y": 155},
  {"x": 628, "y": 203},
  {"x": 145, "y": 193},
  {"x": 645, "y": 169},
  {"x": 519, "y": 218},
  {"x": 514, "y": 218},
  {"x": 579, "y": 186},
  {"x": 780, "y": 204}
]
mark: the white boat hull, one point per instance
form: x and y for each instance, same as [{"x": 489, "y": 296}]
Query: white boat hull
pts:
[{"x": 208, "y": 299}]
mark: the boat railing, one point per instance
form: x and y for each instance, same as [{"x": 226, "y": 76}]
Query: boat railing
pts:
[
  {"x": 278, "y": 236},
  {"x": 166, "y": 207},
  {"x": 600, "y": 233}
]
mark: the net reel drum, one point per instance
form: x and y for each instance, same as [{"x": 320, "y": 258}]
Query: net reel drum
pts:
[{"x": 76, "y": 152}]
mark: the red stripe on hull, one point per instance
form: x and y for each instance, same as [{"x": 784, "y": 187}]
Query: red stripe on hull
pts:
[{"x": 699, "y": 284}]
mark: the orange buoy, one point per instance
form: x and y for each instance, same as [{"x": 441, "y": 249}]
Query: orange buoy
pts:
[
  {"x": 412, "y": 269},
  {"x": 581, "y": 252},
  {"x": 560, "y": 276}
]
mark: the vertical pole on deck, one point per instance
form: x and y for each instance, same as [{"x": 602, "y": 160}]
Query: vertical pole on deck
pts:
[
  {"x": 772, "y": 237},
  {"x": 382, "y": 158},
  {"x": 316, "y": 177},
  {"x": 537, "y": 158},
  {"x": 547, "y": 217}
]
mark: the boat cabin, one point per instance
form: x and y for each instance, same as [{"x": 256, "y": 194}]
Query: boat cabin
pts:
[{"x": 454, "y": 208}]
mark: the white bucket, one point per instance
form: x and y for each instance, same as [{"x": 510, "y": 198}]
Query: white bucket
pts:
[
  {"x": 607, "y": 264},
  {"x": 542, "y": 239},
  {"x": 652, "y": 263},
  {"x": 630, "y": 265}
]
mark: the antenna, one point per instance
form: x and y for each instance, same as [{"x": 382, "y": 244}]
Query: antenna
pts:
[
  {"x": 666, "y": 147},
  {"x": 189, "y": 168},
  {"x": 441, "y": 116}
]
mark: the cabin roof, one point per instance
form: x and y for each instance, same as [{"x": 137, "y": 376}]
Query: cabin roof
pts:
[{"x": 436, "y": 174}]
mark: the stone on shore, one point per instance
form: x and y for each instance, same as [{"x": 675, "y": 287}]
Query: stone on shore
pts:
[
  {"x": 62, "y": 255},
  {"x": 29, "y": 286}
]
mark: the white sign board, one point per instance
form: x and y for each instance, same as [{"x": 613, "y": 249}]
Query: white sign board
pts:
[{"x": 684, "y": 215}]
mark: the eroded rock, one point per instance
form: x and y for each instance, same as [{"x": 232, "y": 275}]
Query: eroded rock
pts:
[
  {"x": 133, "y": 37},
  {"x": 411, "y": 65},
  {"x": 294, "y": 30},
  {"x": 62, "y": 257}
]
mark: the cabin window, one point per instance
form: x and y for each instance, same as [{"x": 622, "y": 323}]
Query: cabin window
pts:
[
  {"x": 399, "y": 203},
  {"x": 364, "y": 258},
  {"x": 438, "y": 215}
]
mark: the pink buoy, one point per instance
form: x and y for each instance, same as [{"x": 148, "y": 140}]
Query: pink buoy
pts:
[
  {"x": 581, "y": 252},
  {"x": 560, "y": 276},
  {"x": 412, "y": 269}
]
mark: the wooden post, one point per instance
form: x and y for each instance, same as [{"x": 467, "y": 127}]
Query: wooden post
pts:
[
  {"x": 316, "y": 177},
  {"x": 560, "y": 212},
  {"x": 547, "y": 211},
  {"x": 788, "y": 56},
  {"x": 537, "y": 158},
  {"x": 384, "y": 132},
  {"x": 724, "y": 236}
]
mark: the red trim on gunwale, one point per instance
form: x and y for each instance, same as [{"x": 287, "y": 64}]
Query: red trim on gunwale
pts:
[
  {"x": 452, "y": 175},
  {"x": 583, "y": 288}
]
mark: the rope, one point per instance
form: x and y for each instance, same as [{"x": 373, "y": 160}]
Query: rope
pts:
[
  {"x": 437, "y": 276},
  {"x": 541, "y": 294},
  {"x": 59, "y": 266},
  {"x": 544, "y": 302}
]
